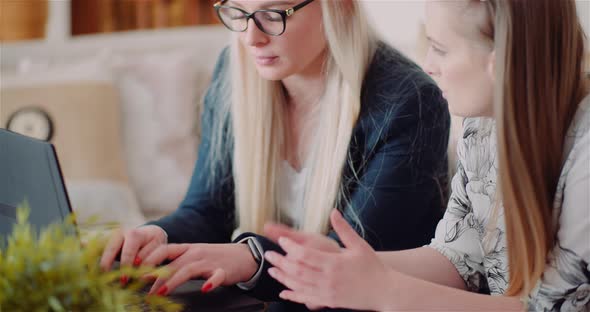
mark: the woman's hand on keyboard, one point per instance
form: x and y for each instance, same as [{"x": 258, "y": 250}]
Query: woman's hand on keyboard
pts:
[
  {"x": 219, "y": 264},
  {"x": 133, "y": 246}
]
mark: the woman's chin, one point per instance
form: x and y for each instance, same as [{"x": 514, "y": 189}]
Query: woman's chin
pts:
[{"x": 272, "y": 73}]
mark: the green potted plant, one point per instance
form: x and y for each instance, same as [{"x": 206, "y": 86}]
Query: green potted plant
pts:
[{"x": 50, "y": 271}]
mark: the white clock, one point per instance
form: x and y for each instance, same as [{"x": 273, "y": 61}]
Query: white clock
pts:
[{"x": 33, "y": 122}]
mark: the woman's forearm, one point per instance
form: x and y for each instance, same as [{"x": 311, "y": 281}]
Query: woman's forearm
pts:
[
  {"x": 407, "y": 293},
  {"x": 424, "y": 263}
]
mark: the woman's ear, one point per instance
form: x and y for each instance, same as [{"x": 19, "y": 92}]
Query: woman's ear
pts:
[{"x": 492, "y": 65}]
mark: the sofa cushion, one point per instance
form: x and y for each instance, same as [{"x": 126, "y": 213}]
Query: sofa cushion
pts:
[
  {"x": 161, "y": 94},
  {"x": 87, "y": 127}
]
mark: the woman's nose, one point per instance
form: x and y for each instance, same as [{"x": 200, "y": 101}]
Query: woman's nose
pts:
[{"x": 253, "y": 36}]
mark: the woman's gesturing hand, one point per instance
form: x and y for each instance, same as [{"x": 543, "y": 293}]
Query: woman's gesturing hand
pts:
[{"x": 351, "y": 277}]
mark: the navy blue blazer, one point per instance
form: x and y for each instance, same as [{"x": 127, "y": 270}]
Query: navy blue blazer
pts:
[{"x": 398, "y": 149}]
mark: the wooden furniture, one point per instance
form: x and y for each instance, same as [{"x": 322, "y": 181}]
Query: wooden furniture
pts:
[
  {"x": 22, "y": 19},
  {"x": 105, "y": 16}
]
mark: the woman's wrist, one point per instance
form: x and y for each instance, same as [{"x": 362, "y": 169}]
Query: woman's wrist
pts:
[
  {"x": 389, "y": 292},
  {"x": 253, "y": 263},
  {"x": 250, "y": 264}
]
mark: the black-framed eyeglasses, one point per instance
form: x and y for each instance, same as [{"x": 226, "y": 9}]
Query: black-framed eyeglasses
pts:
[{"x": 271, "y": 22}]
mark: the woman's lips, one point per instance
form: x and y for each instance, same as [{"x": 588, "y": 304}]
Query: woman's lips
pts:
[{"x": 266, "y": 60}]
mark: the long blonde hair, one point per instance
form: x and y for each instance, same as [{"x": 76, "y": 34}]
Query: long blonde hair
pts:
[
  {"x": 539, "y": 48},
  {"x": 253, "y": 113}
]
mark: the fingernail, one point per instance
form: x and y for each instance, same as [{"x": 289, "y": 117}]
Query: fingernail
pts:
[
  {"x": 282, "y": 240},
  {"x": 124, "y": 280},
  {"x": 137, "y": 261},
  {"x": 286, "y": 240},
  {"x": 162, "y": 291},
  {"x": 206, "y": 288},
  {"x": 268, "y": 255},
  {"x": 271, "y": 272}
]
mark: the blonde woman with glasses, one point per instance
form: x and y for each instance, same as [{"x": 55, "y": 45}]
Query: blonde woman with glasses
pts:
[
  {"x": 517, "y": 226},
  {"x": 307, "y": 111}
]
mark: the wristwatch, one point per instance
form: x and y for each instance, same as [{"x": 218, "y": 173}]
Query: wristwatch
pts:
[
  {"x": 257, "y": 253},
  {"x": 253, "y": 249}
]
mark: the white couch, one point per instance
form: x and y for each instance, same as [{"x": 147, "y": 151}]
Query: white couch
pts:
[{"x": 125, "y": 108}]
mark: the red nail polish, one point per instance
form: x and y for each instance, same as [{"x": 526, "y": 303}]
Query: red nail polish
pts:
[
  {"x": 124, "y": 280},
  {"x": 206, "y": 288},
  {"x": 162, "y": 291},
  {"x": 137, "y": 261}
]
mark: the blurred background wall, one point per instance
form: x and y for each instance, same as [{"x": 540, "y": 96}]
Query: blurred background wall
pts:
[{"x": 396, "y": 20}]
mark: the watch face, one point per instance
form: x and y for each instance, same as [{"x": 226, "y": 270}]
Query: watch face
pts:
[{"x": 32, "y": 122}]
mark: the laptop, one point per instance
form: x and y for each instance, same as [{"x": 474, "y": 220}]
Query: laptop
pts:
[{"x": 30, "y": 171}]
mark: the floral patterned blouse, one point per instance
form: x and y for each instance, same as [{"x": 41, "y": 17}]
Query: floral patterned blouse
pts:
[{"x": 474, "y": 240}]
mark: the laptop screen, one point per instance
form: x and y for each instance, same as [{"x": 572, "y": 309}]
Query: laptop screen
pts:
[{"x": 29, "y": 171}]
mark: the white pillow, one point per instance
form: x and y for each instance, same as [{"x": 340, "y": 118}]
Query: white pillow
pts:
[{"x": 161, "y": 94}]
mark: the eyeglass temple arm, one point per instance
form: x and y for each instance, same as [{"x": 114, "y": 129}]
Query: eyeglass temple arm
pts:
[
  {"x": 219, "y": 3},
  {"x": 297, "y": 7}
]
